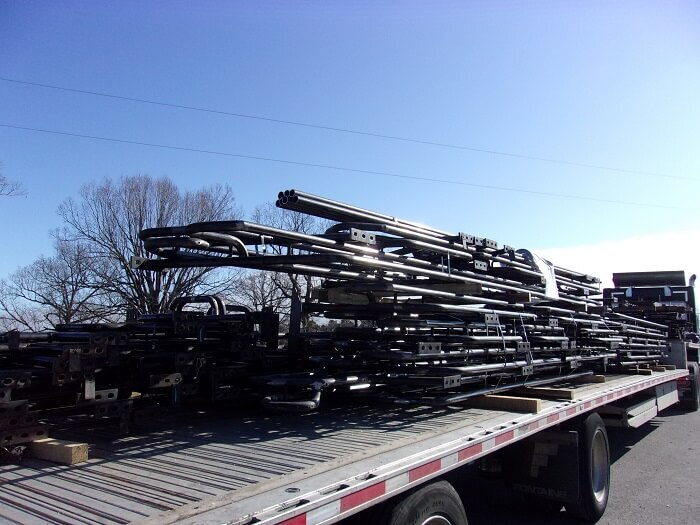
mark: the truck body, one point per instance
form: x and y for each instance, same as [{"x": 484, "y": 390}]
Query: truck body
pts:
[
  {"x": 458, "y": 350},
  {"x": 664, "y": 297}
]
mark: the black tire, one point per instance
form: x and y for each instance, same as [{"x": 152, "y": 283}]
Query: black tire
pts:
[
  {"x": 691, "y": 401},
  {"x": 434, "y": 504},
  {"x": 594, "y": 471}
]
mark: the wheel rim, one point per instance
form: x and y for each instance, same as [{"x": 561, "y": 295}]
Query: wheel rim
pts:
[
  {"x": 599, "y": 466},
  {"x": 437, "y": 520}
]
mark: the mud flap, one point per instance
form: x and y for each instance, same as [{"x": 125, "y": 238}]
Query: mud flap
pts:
[{"x": 545, "y": 466}]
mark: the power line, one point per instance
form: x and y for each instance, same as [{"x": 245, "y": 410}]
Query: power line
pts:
[
  {"x": 352, "y": 131},
  {"x": 340, "y": 168}
]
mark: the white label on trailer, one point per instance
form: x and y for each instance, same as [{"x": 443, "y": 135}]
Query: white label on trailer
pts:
[
  {"x": 450, "y": 460},
  {"x": 321, "y": 514},
  {"x": 397, "y": 482},
  {"x": 488, "y": 444}
]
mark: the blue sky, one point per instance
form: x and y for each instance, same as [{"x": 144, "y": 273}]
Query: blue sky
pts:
[{"x": 613, "y": 84}]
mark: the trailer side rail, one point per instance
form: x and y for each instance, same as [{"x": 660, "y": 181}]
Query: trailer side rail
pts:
[{"x": 320, "y": 495}]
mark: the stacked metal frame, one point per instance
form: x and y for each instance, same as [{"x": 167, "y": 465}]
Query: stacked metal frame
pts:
[
  {"x": 437, "y": 316},
  {"x": 662, "y": 298},
  {"x": 424, "y": 316},
  {"x": 100, "y": 370}
]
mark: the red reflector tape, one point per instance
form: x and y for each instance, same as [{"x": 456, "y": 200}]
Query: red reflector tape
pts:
[
  {"x": 424, "y": 470},
  {"x": 362, "y": 496},
  {"x": 507, "y": 436},
  {"x": 470, "y": 452},
  {"x": 296, "y": 520},
  {"x": 570, "y": 411},
  {"x": 552, "y": 418}
]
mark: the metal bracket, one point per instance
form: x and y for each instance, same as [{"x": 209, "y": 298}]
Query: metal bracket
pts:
[
  {"x": 21, "y": 435},
  {"x": 523, "y": 346},
  {"x": 362, "y": 236},
  {"x": 17, "y": 421},
  {"x": 451, "y": 381},
  {"x": 9, "y": 379},
  {"x": 14, "y": 408},
  {"x": 429, "y": 348},
  {"x": 491, "y": 319},
  {"x": 115, "y": 409},
  {"x": 135, "y": 262},
  {"x": 165, "y": 380},
  {"x": 466, "y": 239},
  {"x": 481, "y": 266},
  {"x": 89, "y": 388},
  {"x": 61, "y": 378},
  {"x": 103, "y": 396}
]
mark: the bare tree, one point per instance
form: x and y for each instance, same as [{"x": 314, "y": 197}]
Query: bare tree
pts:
[
  {"x": 9, "y": 188},
  {"x": 107, "y": 219},
  {"x": 258, "y": 290},
  {"x": 53, "y": 290}
]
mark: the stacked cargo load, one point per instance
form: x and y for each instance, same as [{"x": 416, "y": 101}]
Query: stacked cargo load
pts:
[
  {"x": 101, "y": 370},
  {"x": 435, "y": 316},
  {"x": 420, "y": 316}
]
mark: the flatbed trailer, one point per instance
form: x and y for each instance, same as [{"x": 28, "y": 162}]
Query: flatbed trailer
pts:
[{"x": 241, "y": 468}]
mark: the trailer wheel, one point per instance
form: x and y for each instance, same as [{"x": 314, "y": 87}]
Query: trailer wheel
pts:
[
  {"x": 594, "y": 470},
  {"x": 434, "y": 504},
  {"x": 692, "y": 401}
]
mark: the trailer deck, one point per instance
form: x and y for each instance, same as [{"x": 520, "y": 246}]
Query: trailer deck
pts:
[{"x": 228, "y": 467}]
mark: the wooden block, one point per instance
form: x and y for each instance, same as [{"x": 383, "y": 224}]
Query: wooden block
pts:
[
  {"x": 59, "y": 451},
  {"x": 645, "y": 371},
  {"x": 594, "y": 378},
  {"x": 518, "y": 404},
  {"x": 556, "y": 393},
  {"x": 659, "y": 368}
]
